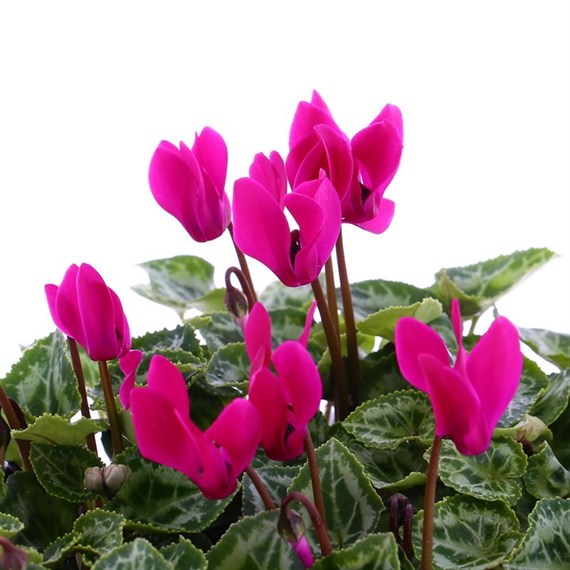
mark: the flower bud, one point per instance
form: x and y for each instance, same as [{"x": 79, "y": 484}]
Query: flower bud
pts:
[
  {"x": 114, "y": 476},
  {"x": 93, "y": 479}
]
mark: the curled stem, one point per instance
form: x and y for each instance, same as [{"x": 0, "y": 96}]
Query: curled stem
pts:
[
  {"x": 349, "y": 322},
  {"x": 315, "y": 477},
  {"x": 429, "y": 502},
  {"x": 116, "y": 435},
  {"x": 261, "y": 488},
  {"x": 341, "y": 393},
  {"x": 318, "y": 524},
  {"x": 244, "y": 284},
  {"x": 78, "y": 370},
  {"x": 15, "y": 423},
  {"x": 243, "y": 263}
]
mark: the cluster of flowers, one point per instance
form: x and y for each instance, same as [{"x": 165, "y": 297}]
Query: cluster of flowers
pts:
[{"x": 333, "y": 179}]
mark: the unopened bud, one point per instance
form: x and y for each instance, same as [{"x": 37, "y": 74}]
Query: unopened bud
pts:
[
  {"x": 106, "y": 480},
  {"x": 531, "y": 428},
  {"x": 291, "y": 525}
]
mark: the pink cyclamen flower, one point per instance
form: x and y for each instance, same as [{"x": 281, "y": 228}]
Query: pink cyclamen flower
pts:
[
  {"x": 189, "y": 184},
  {"x": 261, "y": 228},
  {"x": 85, "y": 309},
  {"x": 360, "y": 169},
  {"x": 129, "y": 364},
  {"x": 303, "y": 551},
  {"x": 288, "y": 398},
  {"x": 213, "y": 459},
  {"x": 469, "y": 397}
]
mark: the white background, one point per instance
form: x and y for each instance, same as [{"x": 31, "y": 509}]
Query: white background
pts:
[{"x": 88, "y": 89}]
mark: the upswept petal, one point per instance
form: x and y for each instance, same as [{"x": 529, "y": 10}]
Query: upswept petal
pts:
[
  {"x": 165, "y": 379},
  {"x": 300, "y": 376},
  {"x": 393, "y": 115},
  {"x": 303, "y": 340},
  {"x": 456, "y": 407},
  {"x": 237, "y": 430},
  {"x": 413, "y": 339},
  {"x": 324, "y": 193},
  {"x": 271, "y": 174},
  {"x": 211, "y": 215},
  {"x": 307, "y": 265},
  {"x": 261, "y": 229},
  {"x": 494, "y": 367},
  {"x": 212, "y": 153},
  {"x": 377, "y": 150},
  {"x": 308, "y": 214},
  {"x": 268, "y": 396},
  {"x": 122, "y": 331},
  {"x": 162, "y": 434},
  {"x": 307, "y": 116},
  {"x": 339, "y": 158},
  {"x": 174, "y": 178},
  {"x": 98, "y": 317},
  {"x": 67, "y": 316},
  {"x": 129, "y": 364},
  {"x": 305, "y": 161},
  {"x": 258, "y": 336},
  {"x": 382, "y": 220}
]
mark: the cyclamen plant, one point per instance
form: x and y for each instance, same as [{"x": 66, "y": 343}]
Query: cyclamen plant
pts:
[{"x": 401, "y": 440}]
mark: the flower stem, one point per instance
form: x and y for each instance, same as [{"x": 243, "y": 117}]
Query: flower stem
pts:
[
  {"x": 341, "y": 393},
  {"x": 15, "y": 423},
  {"x": 429, "y": 502},
  {"x": 116, "y": 435},
  {"x": 318, "y": 524},
  {"x": 349, "y": 322},
  {"x": 243, "y": 263},
  {"x": 331, "y": 293},
  {"x": 78, "y": 370},
  {"x": 315, "y": 478},
  {"x": 261, "y": 488}
]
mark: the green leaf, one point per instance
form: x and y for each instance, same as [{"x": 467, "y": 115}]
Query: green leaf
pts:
[
  {"x": 278, "y": 296},
  {"x": 480, "y": 285},
  {"x": 9, "y": 525},
  {"x": 162, "y": 498},
  {"x": 369, "y": 297},
  {"x": 45, "y": 517},
  {"x": 545, "y": 476},
  {"x": 380, "y": 374},
  {"x": 532, "y": 385},
  {"x": 61, "y": 548},
  {"x": 490, "y": 476},
  {"x": 383, "y": 322},
  {"x": 61, "y": 468},
  {"x": 137, "y": 554},
  {"x": 276, "y": 478},
  {"x": 183, "y": 554},
  {"x": 56, "y": 430},
  {"x": 392, "y": 419},
  {"x": 286, "y": 324},
  {"x": 552, "y": 346},
  {"x": 253, "y": 543},
  {"x": 375, "y": 552},
  {"x": 469, "y": 533},
  {"x": 218, "y": 329},
  {"x": 351, "y": 504},
  {"x": 100, "y": 532},
  {"x": 43, "y": 380},
  {"x": 561, "y": 442},
  {"x": 546, "y": 543},
  {"x": 229, "y": 367},
  {"x": 177, "y": 281},
  {"x": 552, "y": 402}
]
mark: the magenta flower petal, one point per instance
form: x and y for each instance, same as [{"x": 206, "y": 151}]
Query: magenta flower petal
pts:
[
  {"x": 456, "y": 407},
  {"x": 211, "y": 152},
  {"x": 339, "y": 158},
  {"x": 258, "y": 336},
  {"x": 237, "y": 430},
  {"x": 303, "y": 340},
  {"x": 268, "y": 396},
  {"x": 298, "y": 373},
  {"x": 270, "y": 173},
  {"x": 166, "y": 380},
  {"x": 308, "y": 214},
  {"x": 380, "y": 223},
  {"x": 163, "y": 435},
  {"x": 494, "y": 367},
  {"x": 261, "y": 229},
  {"x": 303, "y": 550},
  {"x": 412, "y": 339},
  {"x": 129, "y": 365}
]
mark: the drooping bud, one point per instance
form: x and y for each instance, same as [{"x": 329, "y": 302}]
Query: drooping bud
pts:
[
  {"x": 107, "y": 480},
  {"x": 291, "y": 527}
]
